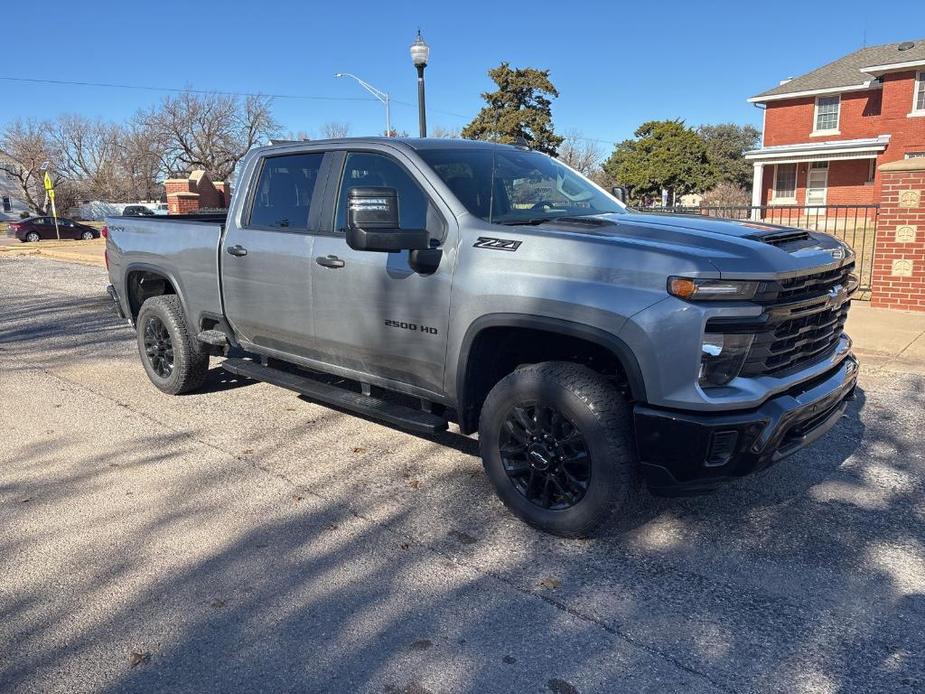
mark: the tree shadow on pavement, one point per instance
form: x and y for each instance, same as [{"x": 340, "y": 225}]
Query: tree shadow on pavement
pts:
[{"x": 245, "y": 540}]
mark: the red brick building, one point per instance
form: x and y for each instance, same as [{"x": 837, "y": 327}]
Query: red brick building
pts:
[{"x": 827, "y": 132}]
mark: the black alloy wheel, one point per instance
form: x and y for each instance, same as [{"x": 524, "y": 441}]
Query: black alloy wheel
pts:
[
  {"x": 545, "y": 456},
  {"x": 158, "y": 347}
]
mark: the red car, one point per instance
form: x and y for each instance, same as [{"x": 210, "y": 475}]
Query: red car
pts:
[{"x": 35, "y": 228}]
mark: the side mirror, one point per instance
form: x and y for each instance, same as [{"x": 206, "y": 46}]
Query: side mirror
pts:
[
  {"x": 372, "y": 222},
  {"x": 619, "y": 192}
]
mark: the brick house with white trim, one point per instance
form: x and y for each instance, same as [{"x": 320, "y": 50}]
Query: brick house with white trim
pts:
[{"x": 826, "y": 132}]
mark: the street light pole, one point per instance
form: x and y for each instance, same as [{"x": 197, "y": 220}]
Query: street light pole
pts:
[
  {"x": 420, "y": 54},
  {"x": 379, "y": 94}
]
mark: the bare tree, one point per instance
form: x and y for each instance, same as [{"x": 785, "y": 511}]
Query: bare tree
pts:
[
  {"x": 24, "y": 151},
  {"x": 334, "y": 130},
  {"x": 582, "y": 154},
  {"x": 142, "y": 164},
  {"x": 210, "y": 131},
  {"x": 440, "y": 131},
  {"x": 89, "y": 153}
]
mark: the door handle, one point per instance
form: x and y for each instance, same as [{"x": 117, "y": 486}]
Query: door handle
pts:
[
  {"x": 237, "y": 250},
  {"x": 330, "y": 261}
]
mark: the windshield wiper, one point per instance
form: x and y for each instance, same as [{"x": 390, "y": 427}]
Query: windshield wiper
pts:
[
  {"x": 530, "y": 221},
  {"x": 590, "y": 219}
]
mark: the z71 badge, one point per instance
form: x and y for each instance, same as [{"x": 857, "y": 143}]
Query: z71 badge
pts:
[{"x": 497, "y": 244}]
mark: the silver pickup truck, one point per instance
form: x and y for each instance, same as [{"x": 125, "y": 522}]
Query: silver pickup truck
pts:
[{"x": 492, "y": 286}]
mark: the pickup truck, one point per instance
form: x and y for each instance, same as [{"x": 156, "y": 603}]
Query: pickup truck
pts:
[{"x": 427, "y": 281}]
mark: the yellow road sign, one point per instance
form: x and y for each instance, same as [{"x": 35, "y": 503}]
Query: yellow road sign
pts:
[{"x": 49, "y": 186}]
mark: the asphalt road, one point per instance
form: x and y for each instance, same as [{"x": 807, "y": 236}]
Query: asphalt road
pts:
[{"x": 242, "y": 539}]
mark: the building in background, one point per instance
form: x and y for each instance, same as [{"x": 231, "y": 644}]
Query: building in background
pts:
[
  {"x": 826, "y": 132},
  {"x": 12, "y": 204}
]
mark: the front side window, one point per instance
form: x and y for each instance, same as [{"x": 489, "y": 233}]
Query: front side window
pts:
[
  {"x": 827, "y": 108},
  {"x": 284, "y": 191},
  {"x": 920, "y": 93},
  {"x": 785, "y": 182},
  {"x": 363, "y": 169},
  {"x": 510, "y": 186}
]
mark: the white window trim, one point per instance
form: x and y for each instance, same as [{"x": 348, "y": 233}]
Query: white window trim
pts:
[
  {"x": 775, "y": 200},
  {"x": 832, "y": 131},
  {"x": 917, "y": 112}
]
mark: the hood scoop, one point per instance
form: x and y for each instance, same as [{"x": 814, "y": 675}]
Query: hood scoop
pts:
[{"x": 789, "y": 239}]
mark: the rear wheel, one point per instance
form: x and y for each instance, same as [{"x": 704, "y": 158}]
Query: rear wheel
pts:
[
  {"x": 173, "y": 360},
  {"x": 32, "y": 236},
  {"x": 556, "y": 442},
  {"x": 87, "y": 236}
]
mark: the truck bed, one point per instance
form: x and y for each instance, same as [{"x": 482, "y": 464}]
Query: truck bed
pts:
[{"x": 184, "y": 247}]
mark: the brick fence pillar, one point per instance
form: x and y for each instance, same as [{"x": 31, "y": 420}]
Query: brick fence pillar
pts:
[
  {"x": 182, "y": 203},
  {"x": 899, "y": 258}
]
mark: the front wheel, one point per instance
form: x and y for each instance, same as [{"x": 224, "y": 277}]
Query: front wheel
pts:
[
  {"x": 556, "y": 442},
  {"x": 174, "y": 361},
  {"x": 87, "y": 236}
]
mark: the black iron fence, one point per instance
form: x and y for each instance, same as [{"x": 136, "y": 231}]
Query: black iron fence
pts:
[{"x": 856, "y": 225}]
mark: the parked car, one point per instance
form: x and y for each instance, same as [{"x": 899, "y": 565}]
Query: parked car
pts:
[
  {"x": 161, "y": 208},
  {"x": 36, "y": 228},
  {"x": 493, "y": 286},
  {"x": 137, "y": 211}
]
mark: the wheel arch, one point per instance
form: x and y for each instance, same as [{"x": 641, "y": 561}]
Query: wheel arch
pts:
[
  {"x": 468, "y": 393},
  {"x": 159, "y": 281}
]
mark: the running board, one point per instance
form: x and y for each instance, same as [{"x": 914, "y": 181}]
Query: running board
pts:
[{"x": 371, "y": 406}]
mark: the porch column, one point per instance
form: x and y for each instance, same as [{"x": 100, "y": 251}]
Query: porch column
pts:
[{"x": 757, "y": 185}]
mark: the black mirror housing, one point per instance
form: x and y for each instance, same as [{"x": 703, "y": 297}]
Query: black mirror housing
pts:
[
  {"x": 372, "y": 222},
  {"x": 619, "y": 192}
]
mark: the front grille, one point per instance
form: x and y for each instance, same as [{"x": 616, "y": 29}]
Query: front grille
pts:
[
  {"x": 792, "y": 343},
  {"x": 803, "y": 321}
]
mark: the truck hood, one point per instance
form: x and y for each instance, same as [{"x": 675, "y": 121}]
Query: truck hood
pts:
[{"x": 736, "y": 248}]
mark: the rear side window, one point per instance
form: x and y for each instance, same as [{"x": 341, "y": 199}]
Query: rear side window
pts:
[
  {"x": 364, "y": 169},
  {"x": 284, "y": 192}
]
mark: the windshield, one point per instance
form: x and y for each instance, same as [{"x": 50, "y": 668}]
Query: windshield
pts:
[{"x": 517, "y": 187}]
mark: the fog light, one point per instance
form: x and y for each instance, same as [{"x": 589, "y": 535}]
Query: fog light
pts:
[{"x": 722, "y": 357}]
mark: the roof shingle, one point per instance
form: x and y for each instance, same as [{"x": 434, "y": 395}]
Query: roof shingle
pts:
[{"x": 846, "y": 71}]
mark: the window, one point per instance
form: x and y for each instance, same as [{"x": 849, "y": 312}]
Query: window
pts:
[
  {"x": 7, "y": 205},
  {"x": 871, "y": 171},
  {"x": 284, "y": 192},
  {"x": 785, "y": 182},
  {"x": 366, "y": 169},
  {"x": 509, "y": 186},
  {"x": 918, "y": 106},
  {"x": 827, "y": 108}
]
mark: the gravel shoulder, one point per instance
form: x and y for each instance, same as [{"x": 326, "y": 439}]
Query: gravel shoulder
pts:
[{"x": 244, "y": 539}]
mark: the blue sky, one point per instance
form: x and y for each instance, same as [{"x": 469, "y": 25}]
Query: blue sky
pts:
[{"x": 615, "y": 64}]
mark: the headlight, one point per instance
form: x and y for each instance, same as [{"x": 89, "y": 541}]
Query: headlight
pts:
[
  {"x": 722, "y": 357},
  {"x": 711, "y": 290}
]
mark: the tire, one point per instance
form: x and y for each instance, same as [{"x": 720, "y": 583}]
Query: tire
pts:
[
  {"x": 32, "y": 237},
  {"x": 87, "y": 236},
  {"x": 174, "y": 361},
  {"x": 586, "y": 403}
]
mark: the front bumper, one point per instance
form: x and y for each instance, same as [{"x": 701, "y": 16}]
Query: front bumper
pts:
[{"x": 688, "y": 453}]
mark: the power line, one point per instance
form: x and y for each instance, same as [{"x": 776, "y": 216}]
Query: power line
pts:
[{"x": 219, "y": 92}]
